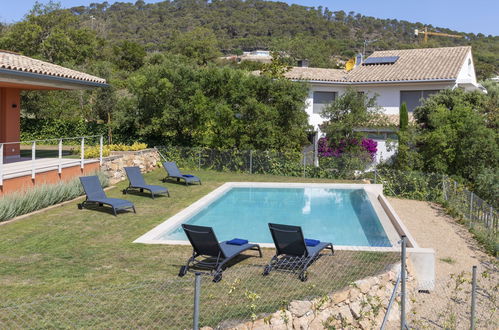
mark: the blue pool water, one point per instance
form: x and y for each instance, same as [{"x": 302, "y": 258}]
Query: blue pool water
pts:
[{"x": 340, "y": 216}]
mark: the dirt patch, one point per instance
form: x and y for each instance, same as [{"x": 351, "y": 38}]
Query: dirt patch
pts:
[{"x": 448, "y": 306}]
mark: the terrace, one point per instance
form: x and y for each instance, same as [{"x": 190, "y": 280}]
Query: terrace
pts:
[
  {"x": 69, "y": 268},
  {"x": 46, "y": 161}
]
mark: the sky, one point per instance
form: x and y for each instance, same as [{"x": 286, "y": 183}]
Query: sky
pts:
[{"x": 478, "y": 16}]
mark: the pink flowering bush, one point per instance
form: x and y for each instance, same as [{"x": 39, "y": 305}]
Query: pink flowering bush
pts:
[{"x": 337, "y": 149}]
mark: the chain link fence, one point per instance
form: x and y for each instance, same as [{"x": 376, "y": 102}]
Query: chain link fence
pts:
[
  {"x": 481, "y": 217},
  {"x": 354, "y": 289}
]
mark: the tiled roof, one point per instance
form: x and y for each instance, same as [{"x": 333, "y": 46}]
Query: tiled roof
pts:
[
  {"x": 319, "y": 74},
  {"x": 412, "y": 65},
  {"x": 16, "y": 62}
]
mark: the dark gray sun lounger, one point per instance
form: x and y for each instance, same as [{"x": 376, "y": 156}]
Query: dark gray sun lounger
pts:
[
  {"x": 292, "y": 252},
  {"x": 96, "y": 195},
  {"x": 215, "y": 255},
  {"x": 136, "y": 181},
  {"x": 173, "y": 172}
]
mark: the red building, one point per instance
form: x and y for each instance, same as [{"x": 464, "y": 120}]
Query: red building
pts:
[{"x": 18, "y": 73}]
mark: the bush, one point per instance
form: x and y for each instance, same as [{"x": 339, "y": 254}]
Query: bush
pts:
[
  {"x": 94, "y": 151},
  {"x": 19, "y": 203},
  {"x": 41, "y": 129}
]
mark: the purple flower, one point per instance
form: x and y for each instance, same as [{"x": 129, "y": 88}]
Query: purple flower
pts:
[{"x": 336, "y": 149}]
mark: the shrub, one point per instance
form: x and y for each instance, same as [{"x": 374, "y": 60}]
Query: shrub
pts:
[
  {"x": 39, "y": 197},
  {"x": 94, "y": 151},
  {"x": 338, "y": 149}
]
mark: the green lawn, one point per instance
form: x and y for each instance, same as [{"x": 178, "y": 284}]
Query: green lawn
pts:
[{"x": 90, "y": 255}]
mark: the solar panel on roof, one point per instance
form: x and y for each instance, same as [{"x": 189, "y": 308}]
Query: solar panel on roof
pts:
[{"x": 381, "y": 60}]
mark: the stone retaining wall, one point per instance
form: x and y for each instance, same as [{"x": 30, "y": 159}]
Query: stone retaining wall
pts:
[
  {"x": 362, "y": 305},
  {"x": 112, "y": 166}
]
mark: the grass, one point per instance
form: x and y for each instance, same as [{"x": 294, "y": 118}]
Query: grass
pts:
[
  {"x": 448, "y": 260},
  {"x": 87, "y": 260}
]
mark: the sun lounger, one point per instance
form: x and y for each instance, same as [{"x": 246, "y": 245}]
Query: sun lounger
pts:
[
  {"x": 293, "y": 251},
  {"x": 173, "y": 172},
  {"x": 96, "y": 195},
  {"x": 136, "y": 181},
  {"x": 215, "y": 254}
]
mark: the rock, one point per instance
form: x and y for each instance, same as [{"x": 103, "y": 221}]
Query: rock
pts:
[
  {"x": 260, "y": 325},
  {"x": 339, "y": 296},
  {"x": 300, "y": 307},
  {"x": 394, "y": 313},
  {"x": 355, "y": 309},
  {"x": 365, "y": 324},
  {"x": 345, "y": 314},
  {"x": 354, "y": 294},
  {"x": 206, "y": 328},
  {"x": 363, "y": 285},
  {"x": 303, "y": 322},
  {"x": 282, "y": 320}
]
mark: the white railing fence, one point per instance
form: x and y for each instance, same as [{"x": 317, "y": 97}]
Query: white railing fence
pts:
[{"x": 40, "y": 155}]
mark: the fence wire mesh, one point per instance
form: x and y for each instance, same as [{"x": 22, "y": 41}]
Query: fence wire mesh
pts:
[
  {"x": 449, "y": 304},
  {"x": 243, "y": 296},
  {"x": 481, "y": 216}
]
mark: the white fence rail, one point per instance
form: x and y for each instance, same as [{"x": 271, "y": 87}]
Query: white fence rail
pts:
[{"x": 46, "y": 155}]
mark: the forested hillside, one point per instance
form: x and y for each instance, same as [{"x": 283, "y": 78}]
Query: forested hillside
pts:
[
  {"x": 304, "y": 32},
  {"x": 231, "y": 26}
]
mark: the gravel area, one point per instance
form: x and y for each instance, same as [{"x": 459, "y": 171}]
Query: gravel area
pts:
[{"x": 448, "y": 306}]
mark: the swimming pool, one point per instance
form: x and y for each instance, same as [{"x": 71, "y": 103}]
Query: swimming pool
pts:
[{"x": 341, "y": 214}]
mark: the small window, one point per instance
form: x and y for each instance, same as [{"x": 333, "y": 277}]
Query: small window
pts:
[
  {"x": 322, "y": 99},
  {"x": 413, "y": 98}
]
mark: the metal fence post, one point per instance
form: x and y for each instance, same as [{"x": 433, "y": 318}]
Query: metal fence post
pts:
[
  {"x": 197, "y": 293},
  {"x": 443, "y": 187},
  {"x": 60, "y": 156},
  {"x": 304, "y": 162},
  {"x": 403, "y": 284},
  {"x": 471, "y": 209},
  {"x": 251, "y": 162},
  {"x": 1, "y": 164},
  {"x": 473, "y": 299},
  {"x": 101, "y": 147},
  {"x": 82, "y": 148},
  {"x": 33, "y": 159}
]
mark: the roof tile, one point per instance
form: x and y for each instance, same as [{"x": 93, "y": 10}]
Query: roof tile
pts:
[{"x": 17, "y": 62}]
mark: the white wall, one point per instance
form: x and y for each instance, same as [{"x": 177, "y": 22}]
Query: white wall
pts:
[
  {"x": 388, "y": 96},
  {"x": 315, "y": 119},
  {"x": 466, "y": 77}
]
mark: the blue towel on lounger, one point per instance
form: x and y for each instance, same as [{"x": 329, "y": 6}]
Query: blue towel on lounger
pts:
[
  {"x": 237, "y": 241},
  {"x": 188, "y": 176},
  {"x": 311, "y": 242}
]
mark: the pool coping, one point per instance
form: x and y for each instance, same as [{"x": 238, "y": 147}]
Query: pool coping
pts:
[{"x": 373, "y": 191}]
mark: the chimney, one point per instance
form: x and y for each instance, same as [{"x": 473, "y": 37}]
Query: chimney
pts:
[
  {"x": 359, "y": 59},
  {"x": 303, "y": 63}
]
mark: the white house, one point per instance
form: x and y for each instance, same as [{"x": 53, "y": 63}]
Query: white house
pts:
[{"x": 394, "y": 76}]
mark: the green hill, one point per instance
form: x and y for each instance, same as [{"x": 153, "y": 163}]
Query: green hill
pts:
[{"x": 304, "y": 32}]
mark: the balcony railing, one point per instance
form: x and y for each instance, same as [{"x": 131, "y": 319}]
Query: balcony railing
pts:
[{"x": 32, "y": 157}]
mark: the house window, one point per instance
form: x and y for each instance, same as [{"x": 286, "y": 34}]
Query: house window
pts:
[
  {"x": 413, "y": 98},
  {"x": 322, "y": 99}
]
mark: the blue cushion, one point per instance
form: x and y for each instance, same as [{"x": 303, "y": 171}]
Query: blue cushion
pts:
[
  {"x": 237, "y": 241},
  {"x": 311, "y": 242},
  {"x": 188, "y": 175}
]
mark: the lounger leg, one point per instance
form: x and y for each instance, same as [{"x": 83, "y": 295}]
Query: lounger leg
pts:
[
  {"x": 259, "y": 251},
  {"x": 168, "y": 193},
  {"x": 114, "y": 212},
  {"x": 134, "y": 209},
  {"x": 332, "y": 249}
]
